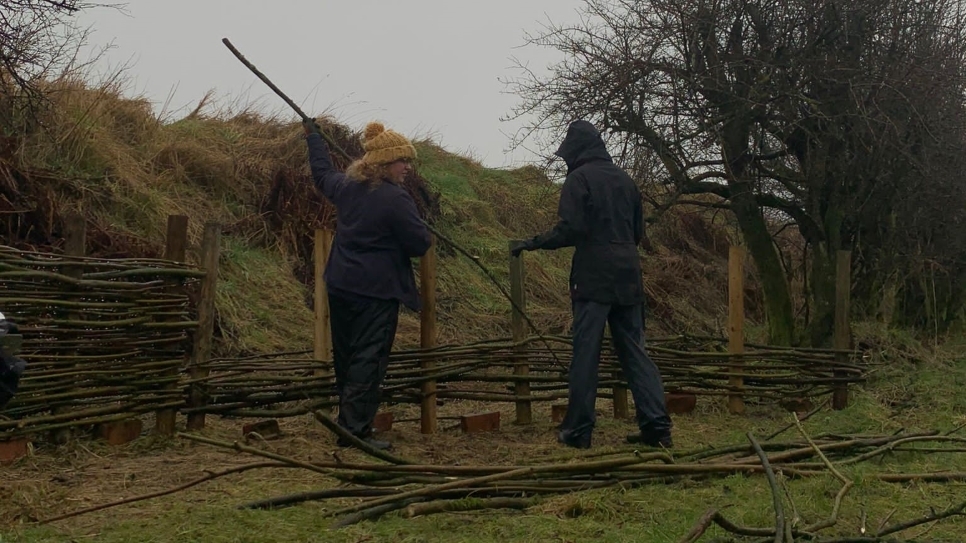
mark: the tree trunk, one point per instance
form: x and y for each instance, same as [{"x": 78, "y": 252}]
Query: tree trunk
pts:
[
  {"x": 824, "y": 253},
  {"x": 822, "y": 323},
  {"x": 754, "y": 230}
]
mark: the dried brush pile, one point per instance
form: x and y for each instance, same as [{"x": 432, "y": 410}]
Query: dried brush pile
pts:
[{"x": 125, "y": 169}]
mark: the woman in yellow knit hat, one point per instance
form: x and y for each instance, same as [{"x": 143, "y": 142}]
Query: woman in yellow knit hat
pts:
[{"x": 378, "y": 231}]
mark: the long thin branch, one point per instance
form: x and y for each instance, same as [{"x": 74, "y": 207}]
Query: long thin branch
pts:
[
  {"x": 956, "y": 510},
  {"x": 700, "y": 527},
  {"x": 257, "y": 452},
  {"x": 773, "y": 484},
  {"x": 360, "y": 444},
  {"x": 143, "y": 497},
  {"x": 846, "y": 483},
  {"x": 429, "y": 491}
]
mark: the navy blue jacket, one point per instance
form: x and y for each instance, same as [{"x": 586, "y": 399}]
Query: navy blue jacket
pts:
[
  {"x": 378, "y": 231},
  {"x": 602, "y": 216}
]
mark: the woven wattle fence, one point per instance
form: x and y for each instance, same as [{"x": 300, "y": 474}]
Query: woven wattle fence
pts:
[
  {"x": 103, "y": 339},
  {"x": 106, "y": 340},
  {"x": 286, "y": 384}
]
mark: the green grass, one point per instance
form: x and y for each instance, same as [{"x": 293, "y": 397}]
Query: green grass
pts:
[
  {"x": 654, "y": 513},
  {"x": 482, "y": 209},
  {"x": 260, "y": 306}
]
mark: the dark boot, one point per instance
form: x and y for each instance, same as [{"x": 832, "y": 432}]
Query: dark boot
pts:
[
  {"x": 662, "y": 441},
  {"x": 581, "y": 442}
]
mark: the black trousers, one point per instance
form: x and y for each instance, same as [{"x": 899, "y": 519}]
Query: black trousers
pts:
[
  {"x": 644, "y": 380},
  {"x": 363, "y": 330}
]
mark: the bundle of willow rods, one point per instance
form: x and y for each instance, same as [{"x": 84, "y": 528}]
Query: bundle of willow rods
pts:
[
  {"x": 420, "y": 488},
  {"x": 286, "y": 384},
  {"x": 103, "y": 339}
]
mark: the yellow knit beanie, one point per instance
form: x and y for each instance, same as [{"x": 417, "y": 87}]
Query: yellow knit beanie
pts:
[{"x": 385, "y": 146}]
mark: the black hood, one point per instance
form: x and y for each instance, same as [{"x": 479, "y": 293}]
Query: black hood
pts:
[{"x": 582, "y": 144}]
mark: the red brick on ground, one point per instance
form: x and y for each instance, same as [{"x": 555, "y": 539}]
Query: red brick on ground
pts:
[
  {"x": 483, "y": 422},
  {"x": 382, "y": 422},
  {"x": 679, "y": 403},
  {"x": 14, "y": 449},
  {"x": 120, "y": 432}
]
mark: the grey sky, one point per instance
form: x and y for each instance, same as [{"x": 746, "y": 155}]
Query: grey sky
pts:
[{"x": 423, "y": 67}]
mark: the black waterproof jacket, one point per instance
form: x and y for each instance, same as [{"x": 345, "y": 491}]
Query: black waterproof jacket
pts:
[
  {"x": 602, "y": 216},
  {"x": 378, "y": 231}
]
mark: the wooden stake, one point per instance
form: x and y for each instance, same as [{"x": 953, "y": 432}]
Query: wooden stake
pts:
[
  {"x": 427, "y": 335},
  {"x": 622, "y": 409},
  {"x": 842, "y": 339},
  {"x": 518, "y": 326},
  {"x": 736, "y": 324},
  {"x": 75, "y": 244},
  {"x": 175, "y": 246},
  {"x": 322, "y": 338},
  {"x": 210, "y": 251}
]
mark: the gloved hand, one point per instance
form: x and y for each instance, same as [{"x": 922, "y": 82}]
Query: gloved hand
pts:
[
  {"x": 311, "y": 127},
  {"x": 521, "y": 246}
]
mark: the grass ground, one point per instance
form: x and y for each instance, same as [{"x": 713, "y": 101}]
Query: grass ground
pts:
[{"x": 908, "y": 395}]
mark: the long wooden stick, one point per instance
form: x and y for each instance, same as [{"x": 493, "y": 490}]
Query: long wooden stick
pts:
[
  {"x": 773, "y": 484},
  {"x": 160, "y": 493},
  {"x": 332, "y": 143},
  {"x": 358, "y": 443},
  {"x": 345, "y": 155}
]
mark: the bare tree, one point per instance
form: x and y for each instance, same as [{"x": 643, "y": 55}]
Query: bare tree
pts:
[
  {"x": 821, "y": 112},
  {"x": 37, "y": 39}
]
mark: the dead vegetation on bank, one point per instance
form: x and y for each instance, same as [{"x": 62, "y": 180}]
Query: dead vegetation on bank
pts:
[{"x": 111, "y": 158}]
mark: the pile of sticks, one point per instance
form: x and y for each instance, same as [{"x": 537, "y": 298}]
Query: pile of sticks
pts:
[
  {"x": 369, "y": 490},
  {"x": 415, "y": 489},
  {"x": 288, "y": 384},
  {"x": 103, "y": 339}
]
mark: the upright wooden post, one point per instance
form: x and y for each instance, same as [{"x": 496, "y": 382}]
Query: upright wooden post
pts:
[
  {"x": 322, "y": 338},
  {"x": 175, "y": 246},
  {"x": 842, "y": 339},
  {"x": 210, "y": 251},
  {"x": 75, "y": 245},
  {"x": 427, "y": 336},
  {"x": 518, "y": 325},
  {"x": 736, "y": 325},
  {"x": 622, "y": 408}
]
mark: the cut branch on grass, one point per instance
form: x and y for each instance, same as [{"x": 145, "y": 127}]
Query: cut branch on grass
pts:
[
  {"x": 773, "y": 485},
  {"x": 400, "y": 500},
  {"x": 374, "y": 512},
  {"x": 846, "y": 483},
  {"x": 791, "y": 425},
  {"x": 955, "y": 510},
  {"x": 257, "y": 452},
  {"x": 356, "y": 442},
  {"x": 701, "y": 526},
  {"x": 198, "y": 481},
  {"x": 326, "y": 494},
  {"x": 467, "y": 504}
]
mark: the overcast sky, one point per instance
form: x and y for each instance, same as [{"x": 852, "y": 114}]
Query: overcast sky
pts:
[{"x": 423, "y": 67}]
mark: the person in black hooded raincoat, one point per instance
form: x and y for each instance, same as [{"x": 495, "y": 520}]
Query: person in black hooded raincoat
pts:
[{"x": 601, "y": 215}]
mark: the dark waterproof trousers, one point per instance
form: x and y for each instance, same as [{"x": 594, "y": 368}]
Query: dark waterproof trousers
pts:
[
  {"x": 644, "y": 380},
  {"x": 363, "y": 330}
]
